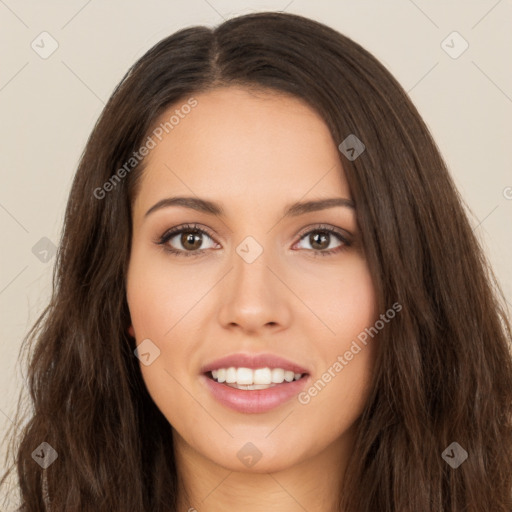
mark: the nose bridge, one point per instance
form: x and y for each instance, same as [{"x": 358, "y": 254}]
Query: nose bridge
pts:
[
  {"x": 253, "y": 297},
  {"x": 252, "y": 277}
]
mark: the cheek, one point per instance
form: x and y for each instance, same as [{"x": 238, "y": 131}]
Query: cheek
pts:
[
  {"x": 160, "y": 294},
  {"x": 356, "y": 306},
  {"x": 154, "y": 311},
  {"x": 344, "y": 302},
  {"x": 161, "y": 300},
  {"x": 346, "y": 350}
]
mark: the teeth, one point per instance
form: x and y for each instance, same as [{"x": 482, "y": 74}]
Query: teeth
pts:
[
  {"x": 260, "y": 378},
  {"x": 252, "y": 386},
  {"x": 231, "y": 375},
  {"x": 277, "y": 375},
  {"x": 246, "y": 376}
]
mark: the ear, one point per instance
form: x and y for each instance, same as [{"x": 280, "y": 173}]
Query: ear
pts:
[{"x": 131, "y": 332}]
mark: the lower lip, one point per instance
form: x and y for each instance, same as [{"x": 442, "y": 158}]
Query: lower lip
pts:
[{"x": 256, "y": 400}]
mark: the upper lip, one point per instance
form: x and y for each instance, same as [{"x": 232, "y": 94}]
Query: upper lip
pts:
[{"x": 244, "y": 360}]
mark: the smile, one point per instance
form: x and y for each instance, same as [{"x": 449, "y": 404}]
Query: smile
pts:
[
  {"x": 254, "y": 382},
  {"x": 251, "y": 379}
]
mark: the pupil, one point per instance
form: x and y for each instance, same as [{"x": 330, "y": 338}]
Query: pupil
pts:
[
  {"x": 319, "y": 239},
  {"x": 190, "y": 238}
]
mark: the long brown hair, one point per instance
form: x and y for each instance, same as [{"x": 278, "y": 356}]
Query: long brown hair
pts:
[{"x": 444, "y": 368}]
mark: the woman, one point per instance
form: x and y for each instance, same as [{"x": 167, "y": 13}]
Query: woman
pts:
[{"x": 198, "y": 354}]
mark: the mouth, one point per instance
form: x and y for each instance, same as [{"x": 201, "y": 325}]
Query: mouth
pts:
[{"x": 254, "y": 388}]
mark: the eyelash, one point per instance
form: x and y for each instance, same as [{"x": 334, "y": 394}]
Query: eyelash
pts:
[{"x": 194, "y": 228}]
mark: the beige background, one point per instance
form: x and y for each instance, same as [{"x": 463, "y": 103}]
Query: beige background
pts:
[{"x": 49, "y": 106}]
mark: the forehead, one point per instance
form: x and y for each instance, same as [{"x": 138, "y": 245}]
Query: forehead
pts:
[{"x": 244, "y": 143}]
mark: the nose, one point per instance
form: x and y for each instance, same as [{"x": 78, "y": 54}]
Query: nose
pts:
[{"x": 254, "y": 296}]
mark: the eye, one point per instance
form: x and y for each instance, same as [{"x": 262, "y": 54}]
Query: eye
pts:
[
  {"x": 188, "y": 240},
  {"x": 320, "y": 240},
  {"x": 189, "y": 237}
]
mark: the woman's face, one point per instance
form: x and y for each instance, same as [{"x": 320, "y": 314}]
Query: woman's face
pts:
[{"x": 258, "y": 280}]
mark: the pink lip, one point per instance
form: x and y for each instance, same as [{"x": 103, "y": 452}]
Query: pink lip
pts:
[
  {"x": 255, "y": 401},
  {"x": 253, "y": 361}
]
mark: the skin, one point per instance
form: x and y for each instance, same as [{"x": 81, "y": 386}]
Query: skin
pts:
[{"x": 254, "y": 152}]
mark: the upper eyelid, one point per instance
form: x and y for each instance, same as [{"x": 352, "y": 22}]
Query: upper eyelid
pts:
[{"x": 187, "y": 227}]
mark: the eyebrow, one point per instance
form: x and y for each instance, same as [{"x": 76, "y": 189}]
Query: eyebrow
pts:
[{"x": 213, "y": 208}]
